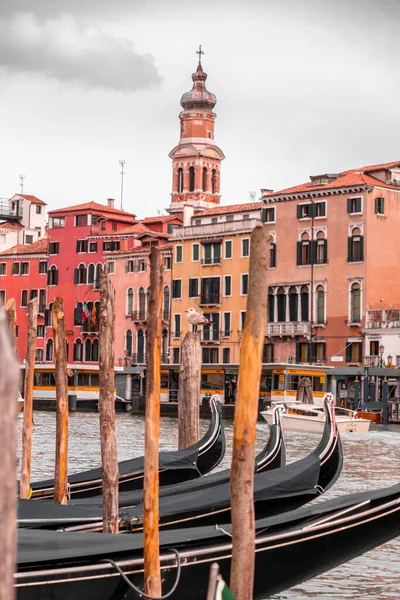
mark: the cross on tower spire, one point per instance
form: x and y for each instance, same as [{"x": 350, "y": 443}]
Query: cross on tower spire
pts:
[{"x": 200, "y": 52}]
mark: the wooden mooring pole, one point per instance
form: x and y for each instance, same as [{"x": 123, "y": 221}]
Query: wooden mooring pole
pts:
[
  {"x": 246, "y": 412},
  {"x": 189, "y": 390},
  {"x": 108, "y": 441},
  {"x": 11, "y": 314},
  {"x": 60, "y": 347},
  {"x": 9, "y": 383},
  {"x": 25, "y": 482},
  {"x": 152, "y": 576}
]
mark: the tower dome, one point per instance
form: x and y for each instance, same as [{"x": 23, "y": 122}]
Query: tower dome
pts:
[{"x": 199, "y": 96}]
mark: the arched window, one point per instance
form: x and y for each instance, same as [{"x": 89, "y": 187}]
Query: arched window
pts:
[
  {"x": 140, "y": 346},
  {"x": 52, "y": 275},
  {"x": 293, "y": 304},
  {"x": 95, "y": 350},
  {"x": 304, "y": 292},
  {"x": 356, "y": 245},
  {"x": 320, "y": 304},
  {"x": 88, "y": 350},
  {"x": 213, "y": 181},
  {"x": 281, "y": 304},
  {"x": 80, "y": 274},
  {"x": 97, "y": 278},
  {"x": 142, "y": 303},
  {"x": 271, "y": 306},
  {"x": 191, "y": 179},
  {"x": 166, "y": 303},
  {"x": 322, "y": 248},
  {"x": 355, "y": 294},
  {"x": 204, "y": 181},
  {"x": 272, "y": 255},
  {"x": 48, "y": 316},
  {"x": 180, "y": 180},
  {"x": 128, "y": 343},
  {"x": 87, "y": 317},
  {"x": 129, "y": 301},
  {"x": 164, "y": 346},
  {"x": 49, "y": 350},
  {"x": 304, "y": 250},
  {"x": 77, "y": 350},
  {"x": 91, "y": 273}
]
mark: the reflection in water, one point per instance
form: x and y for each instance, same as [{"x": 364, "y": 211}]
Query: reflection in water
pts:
[{"x": 370, "y": 461}]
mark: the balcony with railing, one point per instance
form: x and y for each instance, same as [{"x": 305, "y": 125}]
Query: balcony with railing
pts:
[
  {"x": 211, "y": 299},
  {"x": 139, "y": 316},
  {"x": 208, "y": 335},
  {"x": 287, "y": 329},
  {"x": 7, "y": 212},
  {"x": 211, "y": 260},
  {"x": 213, "y": 229},
  {"x": 388, "y": 318}
]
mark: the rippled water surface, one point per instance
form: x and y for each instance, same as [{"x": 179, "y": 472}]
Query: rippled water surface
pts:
[{"x": 370, "y": 461}]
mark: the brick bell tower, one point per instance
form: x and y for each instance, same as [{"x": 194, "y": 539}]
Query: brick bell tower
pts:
[{"x": 196, "y": 160}]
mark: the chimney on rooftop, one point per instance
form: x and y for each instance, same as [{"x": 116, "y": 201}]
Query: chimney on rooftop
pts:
[{"x": 110, "y": 202}]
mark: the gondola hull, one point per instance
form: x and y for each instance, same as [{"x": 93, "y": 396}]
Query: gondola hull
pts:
[
  {"x": 175, "y": 467},
  {"x": 290, "y": 549}
]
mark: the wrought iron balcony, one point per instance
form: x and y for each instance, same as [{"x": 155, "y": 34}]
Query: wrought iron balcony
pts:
[
  {"x": 287, "y": 329},
  {"x": 139, "y": 315},
  {"x": 210, "y": 335},
  {"x": 215, "y": 260},
  {"x": 388, "y": 318},
  {"x": 210, "y": 299}
]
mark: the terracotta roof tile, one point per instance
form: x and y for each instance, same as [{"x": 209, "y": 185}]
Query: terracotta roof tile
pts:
[
  {"x": 39, "y": 247},
  {"x": 159, "y": 219},
  {"x": 232, "y": 208},
  {"x": 350, "y": 178},
  {"x": 96, "y": 206},
  {"x": 31, "y": 198},
  {"x": 12, "y": 225}
]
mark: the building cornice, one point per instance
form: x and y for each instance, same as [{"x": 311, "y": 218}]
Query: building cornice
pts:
[{"x": 357, "y": 189}]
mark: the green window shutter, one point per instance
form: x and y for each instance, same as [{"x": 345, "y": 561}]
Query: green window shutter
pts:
[
  {"x": 350, "y": 249},
  {"x": 349, "y": 205},
  {"x": 298, "y": 352},
  {"x": 376, "y": 205},
  {"x": 299, "y": 253},
  {"x": 325, "y": 251},
  {"x": 313, "y": 254},
  {"x": 299, "y": 212},
  {"x": 348, "y": 353}
]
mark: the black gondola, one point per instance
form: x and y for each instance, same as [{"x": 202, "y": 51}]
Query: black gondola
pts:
[
  {"x": 175, "y": 466},
  {"x": 274, "y": 491},
  {"x": 290, "y": 548}
]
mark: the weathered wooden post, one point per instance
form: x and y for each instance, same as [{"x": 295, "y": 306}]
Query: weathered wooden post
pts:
[
  {"x": 108, "y": 440},
  {"x": 385, "y": 390},
  {"x": 60, "y": 342},
  {"x": 246, "y": 412},
  {"x": 189, "y": 390},
  {"x": 11, "y": 314},
  {"x": 152, "y": 576},
  {"x": 9, "y": 383},
  {"x": 25, "y": 483}
]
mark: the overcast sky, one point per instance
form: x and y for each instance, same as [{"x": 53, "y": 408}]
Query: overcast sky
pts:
[{"x": 303, "y": 87}]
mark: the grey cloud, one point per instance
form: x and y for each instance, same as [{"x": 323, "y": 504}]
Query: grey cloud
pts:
[{"x": 63, "y": 51}]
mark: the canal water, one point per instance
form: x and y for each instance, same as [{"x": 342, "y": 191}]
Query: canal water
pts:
[{"x": 370, "y": 461}]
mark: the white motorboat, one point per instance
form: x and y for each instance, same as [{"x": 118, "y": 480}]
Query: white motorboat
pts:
[{"x": 309, "y": 418}]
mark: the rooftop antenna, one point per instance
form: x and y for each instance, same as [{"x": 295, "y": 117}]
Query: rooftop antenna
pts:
[
  {"x": 122, "y": 163},
  {"x": 21, "y": 183},
  {"x": 252, "y": 196}
]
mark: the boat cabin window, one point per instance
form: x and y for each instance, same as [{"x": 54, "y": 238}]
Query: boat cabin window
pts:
[
  {"x": 88, "y": 380},
  {"x": 292, "y": 382},
  {"x": 212, "y": 381},
  {"x": 45, "y": 379},
  {"x": 278, "y": 381},
  {"x": 318, "y": 383}
]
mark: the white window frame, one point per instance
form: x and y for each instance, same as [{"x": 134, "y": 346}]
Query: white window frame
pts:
[
  {"x": 198, "y": 248},
  {"x": 174, "y": 333},
  {"x": 362, "y": 205},
  {"x": 25, "y": 262},
  {"x": 5, "y": 297},
  {"x": 170, "y": 259},
  {"x": 304, "y": 204},
  {"x": 127, "y": 312},
  {"x": 198, "y": 287},
  {"x": 176, "y": 253},
  {"x": 351, "y": 282},
  {"x": 241, "y": 284},
  {"x": 172, "y": 288},
  {"x": 110, "y": 265},
  {"x": 274, "y": 208},
  {"x": 27, "y": 299},
  {"x": 241, "y": 248},
  {"x": 225, "y": 257},
  {"x": 226, "y": 312},
  {"x": 315, "y": 300},
  {"x": 241, "y": 319},
  {"x": 223, "y": 293},
  {"x": 326, "y": 209}
]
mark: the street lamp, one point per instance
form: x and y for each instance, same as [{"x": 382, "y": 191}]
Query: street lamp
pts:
[{"x": 381, "y": 361}]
